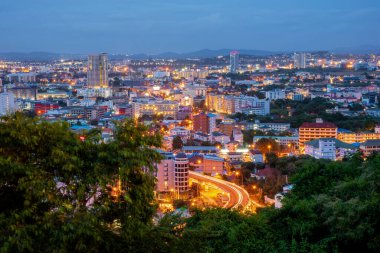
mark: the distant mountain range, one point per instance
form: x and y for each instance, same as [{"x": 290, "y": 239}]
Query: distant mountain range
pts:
[
  {"x": 364, "y": 49},
  {"x": 38, "y": 56},
  {"x": 204, "y": 53}
]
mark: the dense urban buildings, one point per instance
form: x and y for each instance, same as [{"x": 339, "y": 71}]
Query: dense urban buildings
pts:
[{"x": 226, "y": 122}]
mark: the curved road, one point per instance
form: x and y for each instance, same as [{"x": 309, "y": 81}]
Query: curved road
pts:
[{"x": 237, "y": 195}]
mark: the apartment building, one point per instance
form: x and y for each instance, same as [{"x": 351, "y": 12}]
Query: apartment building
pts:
[
  {"x": 234, "y": 104},
  {"x": 173, "y": 173},
  {"x": 168, "y": 109},
  {"x": 369, "y": 147},
  {"x": 315, "y": 130}
]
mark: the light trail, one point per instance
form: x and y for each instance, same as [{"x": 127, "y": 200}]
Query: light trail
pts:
[{"x": 238, "y": 197}]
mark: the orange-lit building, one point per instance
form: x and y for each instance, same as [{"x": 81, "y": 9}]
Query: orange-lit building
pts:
[
  {"x": 351, "y": 137},
  {"x": 42, "y": 108},
  {"x": 315, "y": 130},
  {"x": 173, "y": 173},
  {"x": 208, "y": 164},
  {"x": 369, "y": 147},
  {"x": 204, "y": 123}
]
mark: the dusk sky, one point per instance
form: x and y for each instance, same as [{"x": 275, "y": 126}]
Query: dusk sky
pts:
[{"x": 155, "y": 26}]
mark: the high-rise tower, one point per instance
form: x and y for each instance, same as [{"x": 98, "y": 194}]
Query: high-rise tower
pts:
[
  {"x": 300, "y": 60},
  {"x": 97, "y": 72},
  {"x": 234, "y": 61}
]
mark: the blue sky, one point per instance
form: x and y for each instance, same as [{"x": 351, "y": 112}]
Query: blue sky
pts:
[{"x": 154, "y": 26}]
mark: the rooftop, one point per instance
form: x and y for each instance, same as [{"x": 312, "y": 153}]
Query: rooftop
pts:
[
  {"x": 338, "y": 143},
  {"x": 318, "y": 125},
  {"x": 371, "y": 143}
]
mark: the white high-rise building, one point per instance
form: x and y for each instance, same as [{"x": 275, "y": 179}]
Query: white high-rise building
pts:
[
  {"x": 234, "y": 61},
  {"x": 300, "y": 60},
  {"x": 97, "y": 71},
  {"x": 7, "y": 103}
]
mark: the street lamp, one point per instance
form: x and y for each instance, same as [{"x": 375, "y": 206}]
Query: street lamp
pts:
[{"x": 237, "y": 174}]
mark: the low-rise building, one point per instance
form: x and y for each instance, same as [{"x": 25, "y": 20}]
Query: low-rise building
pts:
[
  {"x": 168, "y": 109},
  {"x": 200, "y": 149},
  {"x": 181, "y": 132},
  {"x": 291, "y": 141},
  {"x": 257, "y": 125},
  {"x": 209, "y": 164},
  {"x": 220, "y": 137},
  {"x": 329, "y": 148},
  {"x": 256, "y": 156},
  {"x": 369, "y": 147},
  {"x": 201, "y": 136},
  {"x": 352, "y": 137},
  {"x": 275, "y": 94}
]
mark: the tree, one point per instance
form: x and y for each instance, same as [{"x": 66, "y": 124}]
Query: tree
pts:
[
  {"x": 177, "y": 143},
  {"x": 157, "y": 117},
  {"x": 266, "y": 145},
  {"x": 249, "y": 134},
  {"x": 59, "y": 192},
  {"x": 333, "y": 208},
  {"x": 249, "y": 166},
  {"x": 355, "y": 107},
  {"x": 272, "y": 159}
]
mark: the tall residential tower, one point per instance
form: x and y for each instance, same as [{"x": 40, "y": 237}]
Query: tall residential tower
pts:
[
  {"x": 97, "y": 72},
  {"x": 234, "y": 61},
  {"x": 300, "y": 60}
]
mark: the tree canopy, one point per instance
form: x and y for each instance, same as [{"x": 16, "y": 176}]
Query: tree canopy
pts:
[
  {"x": 62, "y": 193},
  {"x": 57, "y": 191}
]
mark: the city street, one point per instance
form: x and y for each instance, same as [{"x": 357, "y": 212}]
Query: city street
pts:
[{"x": 238, "y": 197}]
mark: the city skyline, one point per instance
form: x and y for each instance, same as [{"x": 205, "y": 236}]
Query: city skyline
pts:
[{"x": 157, "y": 27}]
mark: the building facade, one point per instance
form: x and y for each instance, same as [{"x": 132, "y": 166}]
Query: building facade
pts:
[
  {"x": 369, "y": 147},
  {"x": 97, "y": 71},
  {"x": 300, "y": 60},
  {"x": 7, "y": 103},
  {"x": 205, "y": 123},
  {"x": 155, "y": 107},
  {"x": 173, "y": 173},
  {"x": 309, "y": 131},
  {"x": 277, "y": 127},
  {"x": 328, "y": 148},
  {"x": 234, "y": 61},
  {"x": 234, "y": 104},
  {"x": 275, "y": 94},
  {"x": 352, "y": 137}
]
